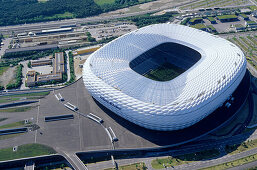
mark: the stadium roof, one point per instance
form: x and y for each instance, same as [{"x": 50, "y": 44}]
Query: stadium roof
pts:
[
  {"x": 219, "y": 63},
  {"x": 164, "y": 105}
]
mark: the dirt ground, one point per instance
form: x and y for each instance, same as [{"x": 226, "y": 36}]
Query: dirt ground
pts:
[
  {"x": 8, "y": 76},
  {"x": 81, "y": 59}
]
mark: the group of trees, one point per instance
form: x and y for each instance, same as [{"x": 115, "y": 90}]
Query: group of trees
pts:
[
  {"x": 1, "y": 37},
  {"x": 26, "y": 11},
  {"x": 89, "y": 37},
  {"x": 72, "y": 73},
  {"x": 147, "y": 19}
]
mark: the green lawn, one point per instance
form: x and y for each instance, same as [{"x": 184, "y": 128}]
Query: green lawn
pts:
[
  {"x": 8, "y": 99},
  {"x": 13, "y": 125},
  {"x": 3, "y": 69},
  {"x": 198, "y": 26},
  {"x": 29, "y": 94},
  {"x": 253, "y": 7},
  {"x": 227, "y": 16},
  {"x": 135, "y": 166},
  {"x": 234, "y": 163},
  {"x": 183, "y": 159},
  {"x": 64, "y": 15},
  {"x": 101, "y": 2},
  {"x": 28, "y": 150},
  {"x": 211, "y": 19},
  {"x": 3, "y": 137},
  {"x": 17, "y": 109},
  {"x": 165, "y": 72},
  {"x": 237, "y": 148}
]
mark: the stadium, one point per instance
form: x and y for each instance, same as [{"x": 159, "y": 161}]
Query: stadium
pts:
[{"x": 164, "y": 77}]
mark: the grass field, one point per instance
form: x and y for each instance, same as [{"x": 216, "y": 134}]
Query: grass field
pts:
[
  {"x": 14, "y": 125},
  {"x": 101, "y": 2},
  {"x": 135, "y": 166},
  {"x": 234, "y": 163},
  {"x": 165, "y": 72},
  {"x": 11, "y": 98},
  {"x": 3, "y": 137},
  {"x": 3, "y": 69},
  {"x": 24, "y": 151},
  {"x": 237, "y": 148},
  {"x": 31, "y": 94},
  {"x": 7, "y": 99},
  {"x": 183, "y": 159}
]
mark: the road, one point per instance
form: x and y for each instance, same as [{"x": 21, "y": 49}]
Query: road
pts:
[
  {"x": 188, "y": 149},
  {"x": 73, "y": 159}
]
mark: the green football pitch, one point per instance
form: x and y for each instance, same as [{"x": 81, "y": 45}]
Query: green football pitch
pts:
[{"x": 164, "y": 72}]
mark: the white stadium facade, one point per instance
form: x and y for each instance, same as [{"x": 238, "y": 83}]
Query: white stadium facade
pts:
[{"x": 210, "y": 68}]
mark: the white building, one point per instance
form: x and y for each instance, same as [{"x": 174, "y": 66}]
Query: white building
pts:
[{"x": 213, "y": 68}]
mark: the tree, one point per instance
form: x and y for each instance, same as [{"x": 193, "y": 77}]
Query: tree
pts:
[{"x": 29, "y": 64}]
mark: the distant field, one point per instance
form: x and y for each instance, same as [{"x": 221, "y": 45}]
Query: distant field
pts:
[
  {"x": 101, "y": 2},
  {"x": 165, "y": 72}
]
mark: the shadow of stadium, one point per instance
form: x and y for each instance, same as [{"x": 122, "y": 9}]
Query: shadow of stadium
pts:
[{"x": 219, "y": 118}]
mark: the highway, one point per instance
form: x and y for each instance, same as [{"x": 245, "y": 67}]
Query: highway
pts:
[{"x": 73, "y": 159}]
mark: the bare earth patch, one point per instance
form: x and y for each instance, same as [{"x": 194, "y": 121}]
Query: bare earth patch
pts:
[{"x": 7, "y": 76}]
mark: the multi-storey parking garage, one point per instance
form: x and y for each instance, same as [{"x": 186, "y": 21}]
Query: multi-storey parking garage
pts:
[{"x": 164, "y": 77}]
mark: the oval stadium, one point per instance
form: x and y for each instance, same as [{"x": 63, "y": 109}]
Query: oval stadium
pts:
[{"x": 164, "y": 77}]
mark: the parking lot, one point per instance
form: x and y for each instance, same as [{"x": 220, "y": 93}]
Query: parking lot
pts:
[{"x": 83, "y": 134}]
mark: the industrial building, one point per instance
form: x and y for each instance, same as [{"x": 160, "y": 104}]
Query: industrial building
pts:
[
  {"x": 32, "y": 78},
  {"x": 58, "y": 63},
  {"x": 34, "y": 48},
  {"x": 122, "y": 75},
  {"x": 41, "y": 63}
]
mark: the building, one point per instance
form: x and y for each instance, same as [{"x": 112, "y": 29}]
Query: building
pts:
[
  {"x": 49, "y": 77},
  {"x": 58, "y": 69},
  {"x": 40, "y": 63},
  {"x": 244, "y": 16},
  {"x": 200, "y": 27},
  {"x": 34, "y": 48},
  {"x": 251, "y": 24},
  {"x": 212, "y": 20},
  {"x": 194, "y": 21},
  {"x": 54, "y": 31},
  {"x": 58, "y": 63},
  {"x": 239, "y": 27},
  {"x": 31, "y": 78},
  {"x": 202, "y": 71},
  {"x": 227, "y": 18},
  {"x": 254, "y": 14}
]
